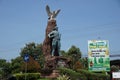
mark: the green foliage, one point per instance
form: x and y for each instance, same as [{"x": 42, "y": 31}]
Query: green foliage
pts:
[
  {"x": 29, "y": 76},
  {"x": 75, "y": 54},
  {"x": 83, "y": 74},
  {"x": 63, "y": 53},
  {"x": 34, "y": 50},
  {"x": 63, "y": 77},
  {"x": 84, "y": 62},
  {"x": 41, "y": 60},
  {"x": 5, "y": 68},
  {"x": 78, "y": 65},
  {"x": 32, "y": 65},
  {"x": 94, "y": 76},
  {"x": 73, "y": 74},
  {"x": 16, "y": 64},
  {"x": 44, "y": 79}
]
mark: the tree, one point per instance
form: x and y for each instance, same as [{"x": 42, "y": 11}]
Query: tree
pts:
[
  {"x": 38, "y": 56},
  {"x": 16, "y": 64},
  {"x": 63, "y": 53},
  {"x": 75, "y": 54},
  {"x": 35, "y": 53},
  {"x": 78, "y": 65},
  {"x": 5, "y": 68},
  {"x": 32, "y": 49},
  {"x": 32, "y": 65},
  {"x": 84, "y": 62}
]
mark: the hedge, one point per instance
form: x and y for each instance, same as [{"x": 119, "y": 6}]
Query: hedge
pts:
[
  {"x": 29, "y": 76},
  {"x": 83, "y": 74},
  {"x": 72, "y": 74},
  {"x": 93, "y": 75}
]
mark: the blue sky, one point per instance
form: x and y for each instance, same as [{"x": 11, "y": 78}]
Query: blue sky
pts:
[{"x": 24, "y": 21}]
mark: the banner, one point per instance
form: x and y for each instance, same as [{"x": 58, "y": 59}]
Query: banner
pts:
[{"x": 98, "y": 55}]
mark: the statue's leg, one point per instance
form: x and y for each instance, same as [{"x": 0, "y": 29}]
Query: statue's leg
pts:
[
  {"x": 53, "y": 47},
  {"x": 59, "y": 45},
  {"x": 53, "y": 50}
]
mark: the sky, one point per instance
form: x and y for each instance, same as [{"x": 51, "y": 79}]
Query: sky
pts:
[{"x": 25, "y": 21}]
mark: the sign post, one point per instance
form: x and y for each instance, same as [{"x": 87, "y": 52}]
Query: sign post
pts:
[{"x": 26, "y": 59}]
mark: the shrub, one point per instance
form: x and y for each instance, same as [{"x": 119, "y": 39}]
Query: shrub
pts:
[
  {"x": 29, "y": 76},
  {"x": 93, "y": 75},
  {"x": 63, "y": 77},
  {"x": 44, "y": 79},
  {"x": 72, "y": 74},
  {"x": 83, "y": 74},
  {"x": 46, "y": 71}
]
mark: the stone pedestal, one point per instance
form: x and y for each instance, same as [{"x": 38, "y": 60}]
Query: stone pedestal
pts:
[
  {"x": 57, "y": 61},
  {"x": 47, "y": 44}
]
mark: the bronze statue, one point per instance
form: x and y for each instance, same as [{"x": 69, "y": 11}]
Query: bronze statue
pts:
[
  {"x": 51, "y": 15},
  {"x": 55, "y": 36}
]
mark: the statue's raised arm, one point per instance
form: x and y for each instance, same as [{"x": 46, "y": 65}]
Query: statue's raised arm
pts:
[{"x": 51, "y": 15}]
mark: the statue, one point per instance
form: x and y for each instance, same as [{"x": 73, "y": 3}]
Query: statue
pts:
[
  {"x": 51, "y": 45},
  {"x": 51, "y": 15},
  {"x": 55, "y": 36}
]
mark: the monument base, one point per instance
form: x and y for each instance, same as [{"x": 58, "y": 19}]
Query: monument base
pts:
[
  {"x": 57, "y": 61},
  {"x": 54, "y": 74},
  {"x": 51, "y": 65}
]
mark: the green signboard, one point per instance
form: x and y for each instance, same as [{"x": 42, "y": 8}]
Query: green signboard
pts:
[{"x": 98, "y": 55}]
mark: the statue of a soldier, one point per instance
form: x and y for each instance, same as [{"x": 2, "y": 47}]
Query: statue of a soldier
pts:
[{"x": 55, "y": 36}]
